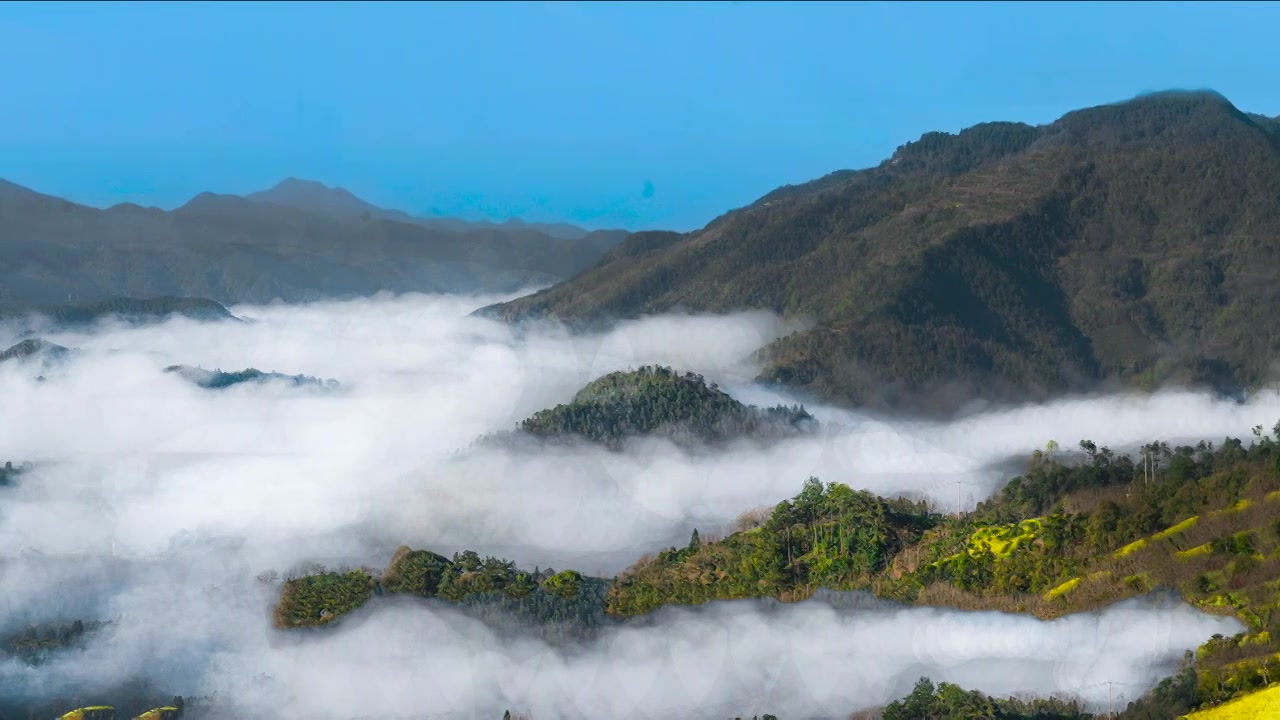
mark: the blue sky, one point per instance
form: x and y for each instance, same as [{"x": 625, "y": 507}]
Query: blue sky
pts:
[{"x": 561, "y": 110}]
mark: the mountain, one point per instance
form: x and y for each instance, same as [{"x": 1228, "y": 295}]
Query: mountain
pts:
[
  {"x": 318, "y": 198},
  {"x": 234, "y": 250},
  {"x": 1129, "y": 243},
  {"x": 315, "y": 197}
]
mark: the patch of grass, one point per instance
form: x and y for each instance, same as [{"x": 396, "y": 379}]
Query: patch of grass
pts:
[
  {"x": 160, "y": 713},
  {"x": 94, "y": 712},
  {"x": 1196, "y": 551},
  {"x": 1062, "y": 589},
  {"x": 1176, "y": 529},
  {"x": 1002, "y": 540},
  {"x": 1131, "y": 548}
]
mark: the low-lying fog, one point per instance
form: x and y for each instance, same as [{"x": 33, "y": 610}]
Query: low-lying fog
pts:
[{"x": 156, "y": 502}]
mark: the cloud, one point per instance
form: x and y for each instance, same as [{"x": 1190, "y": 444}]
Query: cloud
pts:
[{"x": 158, "y": 502}]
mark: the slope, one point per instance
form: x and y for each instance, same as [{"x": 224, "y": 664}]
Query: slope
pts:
[
  {"x": 1127, "y": 241},
  {"x": 1065, "y": 537}
]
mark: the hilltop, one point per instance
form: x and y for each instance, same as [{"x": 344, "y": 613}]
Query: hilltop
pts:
[
  {"x": 1121, "y": 243},
  {"x": 661, "y": 402},
  {"x": 290, "y": 245}
]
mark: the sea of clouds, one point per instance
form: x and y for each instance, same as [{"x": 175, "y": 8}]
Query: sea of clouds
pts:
[{"x": 156, "y": 503}]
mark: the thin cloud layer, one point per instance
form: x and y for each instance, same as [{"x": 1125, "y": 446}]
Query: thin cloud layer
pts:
[{"x": 154, "y": 496}]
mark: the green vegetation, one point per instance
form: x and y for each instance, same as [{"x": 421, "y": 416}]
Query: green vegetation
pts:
[
  {"x": 1262, "y": 704},
  {"x": 828, "y": 536},
  {"x": 566, "y": 584},
  {"x": 135, "y": 700},
  {"x": 1062, "y": 538},
  {"x": 1073, "y": 533},
  {"x": 94, "y": 712},
  {"x": 561, "y": 605},
  {"x": 1020, "y": 260},
  {"x": 1091, "y": 533},
  {"x": 322, "y": 598},
  {"x": 168, "y": 712},
  {"x": 658, "y": 401},
  {"x": 927, "y": 702}
]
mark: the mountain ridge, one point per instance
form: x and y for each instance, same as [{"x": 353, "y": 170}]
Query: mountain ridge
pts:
[
  {"x": 315, "y": 196},
  {"x": 1121, "y": 243},
  {"x": 234, "y": 250}
]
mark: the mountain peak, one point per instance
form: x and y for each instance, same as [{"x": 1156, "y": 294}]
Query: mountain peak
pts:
[
  {"x": 211, "y": 202},
  {"x": 295, "y": 185},
  {"x": 316, "y": 197}
]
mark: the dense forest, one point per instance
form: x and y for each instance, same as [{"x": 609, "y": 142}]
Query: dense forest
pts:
[
  {"x": 1123, "y": 243},
  {"x": 656, "y": 401}
]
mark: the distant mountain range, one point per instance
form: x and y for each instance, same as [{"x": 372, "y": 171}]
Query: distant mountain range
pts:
[
  {"x": 339, "y": 202},
  {"x": 133, "y": 311},
  {"x": 1136, "y": 243},
  {"x": 297, "y": 241}
]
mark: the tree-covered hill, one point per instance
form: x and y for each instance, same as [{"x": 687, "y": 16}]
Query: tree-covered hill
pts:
[
  {"x": 1203, "y": 521},
  {"x": 1126, "y": 242},
  {"x": 657, "y": 401}
]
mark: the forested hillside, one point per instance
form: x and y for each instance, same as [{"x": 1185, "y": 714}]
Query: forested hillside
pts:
[
  {"x": 656, "y": 401},
  {"x": 1076, "y": 532},
  {"x": 1130, "y": 242}
]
